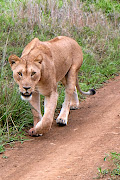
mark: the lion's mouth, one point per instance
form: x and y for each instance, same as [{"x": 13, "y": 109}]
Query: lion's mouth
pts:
[{"x": 26, "y": 96}]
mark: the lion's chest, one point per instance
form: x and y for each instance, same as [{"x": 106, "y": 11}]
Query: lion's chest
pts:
[{"x": 44, "y": 88}]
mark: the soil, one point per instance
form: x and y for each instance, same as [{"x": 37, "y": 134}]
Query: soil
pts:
[{"x": 73, "y": 152}]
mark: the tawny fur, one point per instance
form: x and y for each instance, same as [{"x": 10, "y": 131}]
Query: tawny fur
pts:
[{"x": 38, "y": 71}]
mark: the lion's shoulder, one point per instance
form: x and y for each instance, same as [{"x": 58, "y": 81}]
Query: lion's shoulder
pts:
[{"x": 30, "y": 46}]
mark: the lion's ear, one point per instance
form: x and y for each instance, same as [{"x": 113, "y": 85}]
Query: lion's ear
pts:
[
  {"x": 13, "y": 59},
  {"x": 39, "y": 59}
]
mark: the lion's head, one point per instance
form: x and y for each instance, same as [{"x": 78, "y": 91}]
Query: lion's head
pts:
[
  {"x": 27, "y": 70},
  {"x": 26, "y": 74}
]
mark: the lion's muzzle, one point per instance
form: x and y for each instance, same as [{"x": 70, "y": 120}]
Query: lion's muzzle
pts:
[{"x": 26, "y": 96}]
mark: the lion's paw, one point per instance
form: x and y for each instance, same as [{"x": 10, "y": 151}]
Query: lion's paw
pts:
[
  {"x": 43, "y": 127},
  {"x": 43, "y": 130},
  {"x": 73, "y": 107},
  {"x": 61, "y": 122},
  {"x": 32, "y": 132}
]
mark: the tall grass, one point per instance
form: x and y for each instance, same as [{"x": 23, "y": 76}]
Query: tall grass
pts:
[{"x": 95, "y": 25}]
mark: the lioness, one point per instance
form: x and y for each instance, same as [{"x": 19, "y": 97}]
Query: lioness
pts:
[{"x": 38, "y": 71}]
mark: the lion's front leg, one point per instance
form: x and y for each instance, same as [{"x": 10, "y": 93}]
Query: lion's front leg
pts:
[
  {"x": 62, "y": 119},
  {"x": 50, "y": 104},
  {"x": 36, "y": 111},
  {"x": 71, "y": 98}
]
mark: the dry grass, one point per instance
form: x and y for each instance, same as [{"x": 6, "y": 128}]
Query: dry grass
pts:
[{"x": 60, "y": 16}]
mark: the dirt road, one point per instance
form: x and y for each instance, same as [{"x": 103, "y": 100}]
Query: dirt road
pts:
[{"x": 73, "y": 152}]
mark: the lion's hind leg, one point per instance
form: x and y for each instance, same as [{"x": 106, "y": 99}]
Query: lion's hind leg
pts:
[{"x": 74, "y": 103}]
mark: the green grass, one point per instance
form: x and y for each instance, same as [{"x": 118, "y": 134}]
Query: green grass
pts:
[
  {"x": 113, "y": 170},
  {"x": 93, "y": 24}
]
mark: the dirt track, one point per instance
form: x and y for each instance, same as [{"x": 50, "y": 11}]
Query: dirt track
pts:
[{"x": 73, "y": 152}]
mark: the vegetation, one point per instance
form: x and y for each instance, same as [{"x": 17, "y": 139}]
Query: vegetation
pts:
[
  {"x": 113, "y": 172},
  {"x": 93, "y": 24}
]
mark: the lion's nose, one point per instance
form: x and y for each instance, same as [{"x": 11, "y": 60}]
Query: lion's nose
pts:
[{"x": 26, "y": 88}]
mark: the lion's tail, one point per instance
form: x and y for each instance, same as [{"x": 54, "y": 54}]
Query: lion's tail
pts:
[{"x": 90, "y": 92}]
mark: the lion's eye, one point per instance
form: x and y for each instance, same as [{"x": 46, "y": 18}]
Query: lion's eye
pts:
[
  {"x": 19, "y": 73},
  {"x": 33, "y": 73}
]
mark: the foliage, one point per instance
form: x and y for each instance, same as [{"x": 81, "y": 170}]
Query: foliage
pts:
[
  {"x": 93, "y": 24},
  {"x": 113, "y": 172}
]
